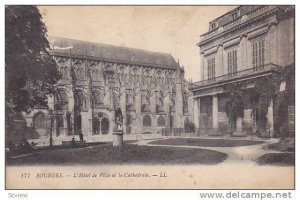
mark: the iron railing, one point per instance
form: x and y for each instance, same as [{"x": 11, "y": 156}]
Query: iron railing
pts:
[
  {"x": 234, "y": 75},
  {"x": 179, "y": 132}
]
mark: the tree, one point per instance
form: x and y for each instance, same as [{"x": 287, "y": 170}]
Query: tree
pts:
[
  {"x": 285, "y": 98},
  {"x": 266, "y": 89},
  {"x": 235, "y": 104},
  {"x": 30, "y": 71}
]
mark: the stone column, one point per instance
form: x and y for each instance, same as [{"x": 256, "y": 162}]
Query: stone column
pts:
[
  {"x": 167, "y": 111},
  {"x": 112, "y": 125},
  {"x": 138, "y": 125},
  {"x": 153, "y": 112},
  {"x": 196, "y": 113},
  {"x": 84, "y": 124},
  {"x": 239, "y": 127},
  {"x": 270, "y": 117},
  {"x": 179, "y": 102},
  {"x": 71, "y": 109},
  {"x": 65, "y": 124},
  {"x": 123, "y": 108},
  {"x": 215, "y": 112},
  {"x": 201, "y": 66}
]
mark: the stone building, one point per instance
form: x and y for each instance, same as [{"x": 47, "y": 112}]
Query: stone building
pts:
[
  {"x": 148, "y": 87},
  {"x": 241, "y": 46}
]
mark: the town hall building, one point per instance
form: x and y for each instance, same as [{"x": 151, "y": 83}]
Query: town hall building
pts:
[{"x": 245, "y": 44}]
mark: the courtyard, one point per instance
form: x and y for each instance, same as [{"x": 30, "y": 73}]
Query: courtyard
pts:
[
  {"x": 128, "y": 154},
  {"x": 166, "y": 151}
]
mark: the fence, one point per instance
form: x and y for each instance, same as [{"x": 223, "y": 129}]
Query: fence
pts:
[{"x": 179, "y": 132}]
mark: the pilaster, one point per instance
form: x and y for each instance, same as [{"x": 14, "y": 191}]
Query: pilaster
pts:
[{"x": 215, "y": 113}]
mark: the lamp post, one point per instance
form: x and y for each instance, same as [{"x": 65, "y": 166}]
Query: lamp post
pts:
[{"x": 51, "y": 125}]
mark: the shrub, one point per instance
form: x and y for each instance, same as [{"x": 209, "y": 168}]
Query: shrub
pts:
[{"x": 223, "y": 128}]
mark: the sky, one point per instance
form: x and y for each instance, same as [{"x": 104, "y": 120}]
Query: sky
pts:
[{"x": 169, "y": 29}]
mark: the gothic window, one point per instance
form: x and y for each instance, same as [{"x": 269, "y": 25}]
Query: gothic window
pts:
[
  {"x": 95, "y": 75},
  {"x": 172, "y": 105},
  {"x": 145, "y": 99},
  {"x": 161, "y": 121},
  {"x": 232, "y": 63},
  {"x": 185, "y": 103},
  {"x": 234, "y": 15},
  {"x": 159, "y": 103},
  {"x": 212, "y": 26},
  {"x": 60, "y": 121},
  {"x": 66, "y": 73},
  {"x": 129, "y": 98},
  {"x": 61, "y": 100},
  {"x": 258, "y": 54},
  {"x": 145, "y": 103},
  {"x": 147, "y": 121},
  {"x": 82, "y": 74},
  {"x": 80, "y": 100},
  {"x": 104, "y": 125},
  {"x": 39, "y": 121},
  {"x": 62, "y": 72},
  {"x": 116, "y": 99},
  {"x": 78, "y": 73},
  {"x": 211, "y": 73},
  {"x": 98, "y": 99}
]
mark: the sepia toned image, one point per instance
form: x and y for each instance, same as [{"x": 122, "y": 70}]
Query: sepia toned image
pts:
[{"x": 150, "y": 97}]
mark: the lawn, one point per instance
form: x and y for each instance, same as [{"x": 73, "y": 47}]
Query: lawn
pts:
[
  {"x": 205, "y": 142},
  {"x": 281, "y": 159},
  {"x": 128, "y": 154},
  {"x": 286, "y": 145}
]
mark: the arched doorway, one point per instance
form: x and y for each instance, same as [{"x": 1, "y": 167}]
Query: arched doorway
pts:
[
  {"x": 161, "y": 121},
  {"x": 147, "y": 121},
  {"x": 100, "y": 124},
  {"x": 104, "y": 125}
]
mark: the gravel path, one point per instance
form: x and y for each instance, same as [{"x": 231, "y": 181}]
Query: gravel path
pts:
[{"x": 240, "y": 154}]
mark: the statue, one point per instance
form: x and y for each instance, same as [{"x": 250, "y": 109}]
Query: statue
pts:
[{"x": 119, "y": 119}]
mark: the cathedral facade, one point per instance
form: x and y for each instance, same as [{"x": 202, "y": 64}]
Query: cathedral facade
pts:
[{"x": 96, "y": 79}]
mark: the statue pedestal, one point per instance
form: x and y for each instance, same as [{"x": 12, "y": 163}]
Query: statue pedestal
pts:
[{"x": 117, "y": 138}]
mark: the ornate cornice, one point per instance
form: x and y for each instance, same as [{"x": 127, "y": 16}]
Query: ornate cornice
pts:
[{"x": 239, "y": 26}]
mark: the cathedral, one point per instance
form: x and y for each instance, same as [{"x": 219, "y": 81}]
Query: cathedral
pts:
[{"x": 97, "y": 79}]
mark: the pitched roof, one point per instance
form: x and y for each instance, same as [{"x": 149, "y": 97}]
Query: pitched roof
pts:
[{"x": 111, "y": 53}]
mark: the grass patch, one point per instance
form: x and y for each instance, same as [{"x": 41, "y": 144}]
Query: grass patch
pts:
[
  {"x": 206, "y": 142},
  {"x": 281, "y": 159},
  {"x": 286, "y": 145},
  {"x": 129, "y": 154}
]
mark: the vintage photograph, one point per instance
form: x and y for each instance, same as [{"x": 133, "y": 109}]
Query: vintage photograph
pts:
[{"x": 150, "y": 97}]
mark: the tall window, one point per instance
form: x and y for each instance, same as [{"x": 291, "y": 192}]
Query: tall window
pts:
[
  {"x": 98, "y": 99},
  {"x": 212, "y": 26},
  {"x": 258, "y": 54},
  {"x": 147, "y": 121},
  {"x": 61, "y": 100},
  {"x": 39, "y": 121},
  {"x": 211, "y": 69},
  {"x": 234, "y": 15},
  {"x": 232, "y": 63}
]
